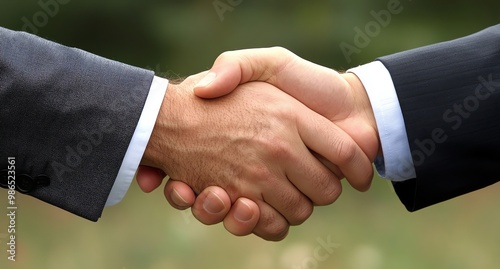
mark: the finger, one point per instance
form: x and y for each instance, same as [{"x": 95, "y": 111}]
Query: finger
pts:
[
  {"x": 211, "y": 206},
  {"x": 313, "y": 179},
  {"x": 179, "y": 195},
  {"x": 279, "y": 192},
  {"x": 272, "y": 225},
  {"x": 149, "y": 178},
  {"x": 242, "y": 218},
  {"x": 286, "y": 198},
  {"x": 331, "y": 142},
  {"x": 332, "y": 167}
]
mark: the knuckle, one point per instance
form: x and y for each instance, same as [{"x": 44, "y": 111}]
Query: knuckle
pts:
[
  {"x": 281, "y": 51},
  {"x": 294, "y": 206},
  {"x": 301, "y": 213},
  {"x": 277, "y": 231},
  {"x": 346, "y": 151},
  {"x": 272, "y": 227},
  {"x": 330, "y": 194},
  {"x": 225, "y": 56},
  {"x": 281, "y": 235},
  {"x": 277, "y": 147},
  {"x": 261, "y": 173},
  {"x": 278, "y": 150}
]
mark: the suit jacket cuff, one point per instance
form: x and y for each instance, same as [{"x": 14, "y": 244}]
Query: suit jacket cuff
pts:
[
  {"x": 396, "y": 163},
  {"x": 139, "y": 141}
]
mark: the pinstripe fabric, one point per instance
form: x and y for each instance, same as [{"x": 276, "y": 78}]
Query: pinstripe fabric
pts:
[{"x": 450, "y": 99}]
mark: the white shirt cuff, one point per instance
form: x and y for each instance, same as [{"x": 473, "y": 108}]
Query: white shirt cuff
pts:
[
  {"x": 139, "y": 140},
  {"x": 396, "y": 164}
]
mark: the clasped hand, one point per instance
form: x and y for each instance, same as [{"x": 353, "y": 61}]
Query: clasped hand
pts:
[{"x": 259, "y": 140}]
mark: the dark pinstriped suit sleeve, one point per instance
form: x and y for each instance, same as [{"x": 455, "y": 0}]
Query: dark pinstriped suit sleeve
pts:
[
  {"x": 450, "y": 98},
  {"x": 67, "y": 116}
]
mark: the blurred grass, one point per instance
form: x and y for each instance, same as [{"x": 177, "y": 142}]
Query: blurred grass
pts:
[
  {"x": 183, "y": 37},
  {"x": 372, "y": 229}
]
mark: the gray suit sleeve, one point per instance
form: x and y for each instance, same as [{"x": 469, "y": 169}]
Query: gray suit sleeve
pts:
[
  {"x": 67, "y": 117},
  {"x": 450, "y": 98}
]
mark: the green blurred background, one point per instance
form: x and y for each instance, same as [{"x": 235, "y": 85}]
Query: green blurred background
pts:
[{"x": 177, "y": 38}]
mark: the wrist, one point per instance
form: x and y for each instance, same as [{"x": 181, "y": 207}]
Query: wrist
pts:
[{"x": 155, "y": 150}]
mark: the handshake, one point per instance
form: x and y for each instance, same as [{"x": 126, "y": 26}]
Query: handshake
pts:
[{"x": 259, "y": 140}]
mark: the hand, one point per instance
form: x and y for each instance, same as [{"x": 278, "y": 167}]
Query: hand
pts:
[
  {"x": 340, "y": 98},
  {"x": 212, "y": 205},
  {"x": 255, "y": 144}
]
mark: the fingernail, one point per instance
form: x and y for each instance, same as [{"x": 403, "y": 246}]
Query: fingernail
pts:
[
  {"x": 243, "y": 212},
  {"x": 209, "y": 78},
  {"x": 177, "y": 199},
  {"x": 213, "y": 204}
]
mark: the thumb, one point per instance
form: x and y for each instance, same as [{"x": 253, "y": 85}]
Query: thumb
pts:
[
  {"x": 320, "y": 88},
  {"x": 221, "y": 80},
  {"x": 233, "y": 68}
]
